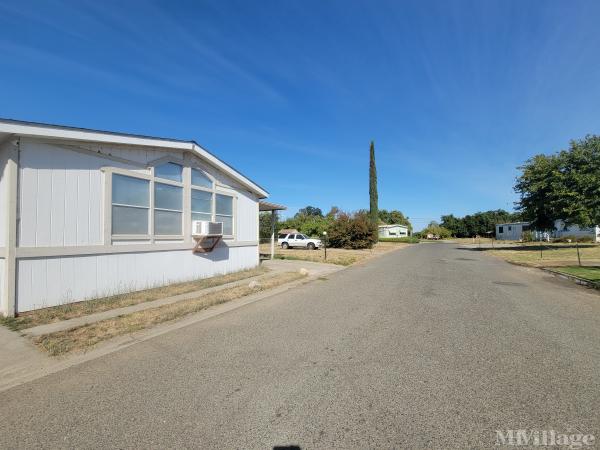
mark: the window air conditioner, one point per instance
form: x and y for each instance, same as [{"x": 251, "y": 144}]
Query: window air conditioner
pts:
[{"x": 206, "y": 228}]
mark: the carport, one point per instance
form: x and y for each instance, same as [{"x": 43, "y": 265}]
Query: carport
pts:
[{"x": 273, "y": 207}]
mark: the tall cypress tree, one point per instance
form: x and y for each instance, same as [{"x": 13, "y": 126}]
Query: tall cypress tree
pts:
[{"x": 373, "y": 208}]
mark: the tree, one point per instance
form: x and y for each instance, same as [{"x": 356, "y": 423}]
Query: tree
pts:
[
  {"x": 264, "y": 227},
  {"x": 310, "y": 211},
  {"x": 478, "y": 224},
  {"x": 373, "y": 199},
  {"x": 394, "y": 217},
  {"x": 352, "y": 231},
  {"x": 437, "y": 230},
  {"x": 564, "y": 185}
]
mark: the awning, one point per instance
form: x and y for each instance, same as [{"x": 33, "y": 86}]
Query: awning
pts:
[{"x": 267, "y": 206}]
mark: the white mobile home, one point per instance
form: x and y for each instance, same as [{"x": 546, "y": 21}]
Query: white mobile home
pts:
[
  {"x": 511, "y": 231},
  {"x": 86, "y": 214},
  {"x": 562, "y": 230},
  {"x": 393, "y": 231}
]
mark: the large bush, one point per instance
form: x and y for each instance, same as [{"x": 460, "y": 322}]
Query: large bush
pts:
[{"x": 352, "y": 231}]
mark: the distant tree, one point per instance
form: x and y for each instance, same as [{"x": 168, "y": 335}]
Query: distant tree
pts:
[
  {"x": 373, "y": 198},
  {"x": 435, "y": 229},
  {"x": 264, "y": 227},
  {"x": 478, "y": 224},
  {"x": 333, "y": 212},
  {"x": 394, "y": 217},
  {"x": 310, "y": 211},
  {"x": 565, "y": 186}
]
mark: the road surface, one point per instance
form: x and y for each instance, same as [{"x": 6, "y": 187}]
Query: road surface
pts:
[{"x": 430, "y": 346}]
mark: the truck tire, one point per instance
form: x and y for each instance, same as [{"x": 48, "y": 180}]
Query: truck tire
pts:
[
  {"x": 285, "y": 246},
  {"x": 310, "y": 246}
]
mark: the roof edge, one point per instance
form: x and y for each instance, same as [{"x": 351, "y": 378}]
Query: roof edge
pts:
[{"x": 39, "y": 129}]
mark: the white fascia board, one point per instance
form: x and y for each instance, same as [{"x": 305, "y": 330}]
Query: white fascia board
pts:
[
  {"x": 224, "y": 167},
  {"x": 57, "y": 132}
]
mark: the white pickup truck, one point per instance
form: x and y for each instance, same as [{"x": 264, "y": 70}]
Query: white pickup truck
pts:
[{"x": 298, "y": 240}]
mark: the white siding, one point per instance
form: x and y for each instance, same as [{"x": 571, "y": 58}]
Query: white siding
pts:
[
  {"x": 45, "y": 282},
  {"x": 1, "y": 276},
  {"x": 60, "y": 199},
  {"x": 3, "y": 198},
  {"x": 576, "y": 231},
  {"x": 247, "y": 217}
]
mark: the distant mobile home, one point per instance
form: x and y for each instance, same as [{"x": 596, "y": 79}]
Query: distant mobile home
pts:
[
  {"x": 511, "y": 231},
  {"x": 514, "y": 231},
  {"x": 393, "y": 231},
  {"x": 86, "y": 214}
]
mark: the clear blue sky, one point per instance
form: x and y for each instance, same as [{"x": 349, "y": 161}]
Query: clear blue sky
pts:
[{"x": 455, "y": 94}]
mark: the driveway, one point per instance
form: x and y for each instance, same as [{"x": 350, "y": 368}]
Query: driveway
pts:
[{"x": 431, "y": 346}]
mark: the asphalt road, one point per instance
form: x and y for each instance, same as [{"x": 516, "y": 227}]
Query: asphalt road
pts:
[{"x": 430, "y": 346}]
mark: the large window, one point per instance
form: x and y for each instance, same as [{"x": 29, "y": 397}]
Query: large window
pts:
[
  {"x": 168, "y": 209},
  {"x": 199, "y": 178},
  {"x": 169, "y": 171},
  {"x": 145, "y": 207},
  {"x": 201, "y": 205},
  {"x": 130, "y": 205},
  {"x": 224, "y": 213}
]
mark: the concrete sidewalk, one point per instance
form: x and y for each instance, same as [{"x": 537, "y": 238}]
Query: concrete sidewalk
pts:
[{"x": 21, "y": 361}]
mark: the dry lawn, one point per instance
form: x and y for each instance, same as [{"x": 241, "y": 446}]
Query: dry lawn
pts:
[
  {"x": 84, "y": 337},
  {"x": 552, "y": 255},
  {"x": 72, "y": 310},
  {"x": 340, "y": 256}
]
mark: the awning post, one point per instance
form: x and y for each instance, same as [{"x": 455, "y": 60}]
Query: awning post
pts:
[{"x": 273, "y": 234}]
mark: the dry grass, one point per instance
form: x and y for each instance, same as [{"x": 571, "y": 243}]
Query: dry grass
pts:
[
  {"x": 552, "y": 255},
  {"x": 340, "y": 256},
  {"x": 84, "y": 337},
  {"x": 72, "y": 310}
]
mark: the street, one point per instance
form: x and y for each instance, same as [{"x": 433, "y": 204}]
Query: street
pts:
[{"x": 432, "y": 346}]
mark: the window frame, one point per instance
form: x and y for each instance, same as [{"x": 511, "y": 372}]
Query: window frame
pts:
[
  {"x": 186, "y": 212},
  {"x": 232, "y": 215}
]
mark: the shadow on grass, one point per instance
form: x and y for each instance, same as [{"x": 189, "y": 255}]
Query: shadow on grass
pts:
[{"x": 529, "y": 248}]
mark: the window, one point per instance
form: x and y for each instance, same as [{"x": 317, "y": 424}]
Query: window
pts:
[
  {"x": 168, "y": 209},
  {"x": 169, "y": 171},
  {"x": 509, "y": 228},
  {"x": 199, "y": 178},
  {"x": 224, "y": 213},
  {"x": 282, "y": 236},
  {"x": 300, "y": 237},
  {"x": 201, "y": 205},
  {"x": 500, "y": 230},
  {"x": 130, "y": 205}
]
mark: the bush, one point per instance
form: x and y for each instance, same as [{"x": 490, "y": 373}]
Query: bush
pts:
[
  {"x": 352, "y": 231},
  {"x": 408, "y": 240},
  {"x": 527, "y": 236},
  {"x": 586, "y": 239}
]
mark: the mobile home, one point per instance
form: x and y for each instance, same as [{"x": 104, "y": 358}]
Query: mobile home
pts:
[
  {"x": 393, "y": 231},
  {"x": 87, "y": 213}
]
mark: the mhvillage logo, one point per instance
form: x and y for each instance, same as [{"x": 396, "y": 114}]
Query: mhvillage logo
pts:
[{"x": 544, "y": 438}]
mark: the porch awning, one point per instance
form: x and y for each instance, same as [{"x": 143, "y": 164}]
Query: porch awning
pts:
[{"x": 267, "y": 206}]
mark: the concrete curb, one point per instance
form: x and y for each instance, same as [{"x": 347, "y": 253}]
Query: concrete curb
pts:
[{"x": 574, "y": 278}]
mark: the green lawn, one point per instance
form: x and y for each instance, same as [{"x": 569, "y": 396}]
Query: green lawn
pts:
[{"x": 587, "y": 273}]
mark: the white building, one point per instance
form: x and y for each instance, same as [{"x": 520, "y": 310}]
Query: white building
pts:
[
  {"x": 393, "y": 231},
  {"x": 514, "y": 231},
  {"x": 511, "y": 231},
  {"x": 86, "y": 214},
  {"x": 563, "y": 230}
]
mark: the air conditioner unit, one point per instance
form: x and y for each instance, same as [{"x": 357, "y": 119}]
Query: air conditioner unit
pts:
[{"x": 206, "y": 228}]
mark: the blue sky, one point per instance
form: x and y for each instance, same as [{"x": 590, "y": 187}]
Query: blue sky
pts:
[{"x": 455, "y": 94}]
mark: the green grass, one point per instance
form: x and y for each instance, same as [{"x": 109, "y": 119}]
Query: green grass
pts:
[
  {"x": 590, "y": 273},
  {"x": 406, "y": 240}
]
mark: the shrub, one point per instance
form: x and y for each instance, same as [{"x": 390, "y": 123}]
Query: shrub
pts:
[
  {"x": 527, "y": 236},
  {"x": 408, "y": 240},
  {"x": 587, "y": 239},
  {"x": 352, "y": 231}
]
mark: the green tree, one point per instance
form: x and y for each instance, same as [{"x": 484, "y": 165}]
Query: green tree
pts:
[
  {"x": 310, "y": 211},
  {"x": 394, "y": 217},
  {"x": 352, "y": 231},
  {"x": 373, "y": 198},
  {"x": 264, "y": 224},
  {"x": 564, "y": 185}
]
